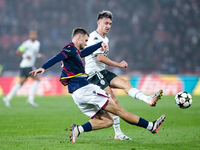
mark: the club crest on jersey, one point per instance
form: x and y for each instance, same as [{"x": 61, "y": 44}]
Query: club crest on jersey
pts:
[
  {"x": 95, "y": 38},
  {"x": 102, "y": 82}
]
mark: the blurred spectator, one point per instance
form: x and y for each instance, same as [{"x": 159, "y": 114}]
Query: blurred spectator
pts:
[{"x": 152, "y": 36}]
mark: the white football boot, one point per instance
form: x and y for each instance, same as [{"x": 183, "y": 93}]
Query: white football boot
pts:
[
  {"x": 157, "y": 124},
  {"x": 152, "y": 99},
  {"x": 6, "y": 101},
  {"x": 74, "y": 133},
  {"x": 122, "y": 137}
]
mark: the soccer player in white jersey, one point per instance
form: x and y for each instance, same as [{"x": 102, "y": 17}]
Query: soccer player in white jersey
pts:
[
  {"x": 29, "y": 51},
  {"x": 95, "y": 66}
]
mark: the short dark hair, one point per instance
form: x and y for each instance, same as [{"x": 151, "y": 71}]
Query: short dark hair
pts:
[
  {"x": 105, "y": 14},
  {"x": 79, "y": 30}
]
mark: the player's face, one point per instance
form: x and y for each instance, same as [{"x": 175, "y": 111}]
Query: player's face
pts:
[
  {"x": 83, "y": 41},
  {"x": 33, "y": 35},
  {"x": 104, "y": 25}
]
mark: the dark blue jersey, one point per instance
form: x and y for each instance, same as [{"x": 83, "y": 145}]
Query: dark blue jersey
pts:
[{"x": 73, "y": 72}]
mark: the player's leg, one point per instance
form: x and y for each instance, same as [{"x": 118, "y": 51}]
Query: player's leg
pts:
[
  {"x": 92, "y": 100},
  {"x": 33, "y": 88},
  {"x": 119, "y": 135},
  {"x": 125, "y": 85},
  {"x": 102, "y": 120},
  {"x": 101, "y": 79},
  {"x": 15, "y": 88},
  {"x": 133, "y": 119},
  {"x": 32, "y": 92}
]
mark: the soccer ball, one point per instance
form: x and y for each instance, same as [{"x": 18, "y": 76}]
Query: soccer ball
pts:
[{"x": 183, "y": 99}]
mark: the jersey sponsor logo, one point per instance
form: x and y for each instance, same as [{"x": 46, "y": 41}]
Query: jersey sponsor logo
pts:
[{"x": 68, "y": 50}]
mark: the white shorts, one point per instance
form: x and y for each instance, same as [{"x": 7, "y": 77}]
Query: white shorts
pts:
[{"x": 90, "y": 99}]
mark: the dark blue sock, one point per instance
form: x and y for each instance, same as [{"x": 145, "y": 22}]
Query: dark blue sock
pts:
[
  {"x": 87, "y": 127},
  {"x": 143, "y": 123}
]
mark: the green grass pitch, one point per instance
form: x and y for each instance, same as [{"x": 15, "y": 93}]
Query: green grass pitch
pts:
[{"x": 43, "y": 128}]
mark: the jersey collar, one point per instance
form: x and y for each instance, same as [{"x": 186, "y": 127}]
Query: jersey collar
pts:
[{"x": 100, "y": 34}]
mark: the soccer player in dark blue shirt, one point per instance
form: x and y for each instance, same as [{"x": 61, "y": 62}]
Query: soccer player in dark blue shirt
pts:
[{"x": 93, "y": 101}]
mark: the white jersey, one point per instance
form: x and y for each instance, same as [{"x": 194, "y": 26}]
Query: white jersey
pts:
[
  {"x": 91, "y": 63},
  {"x": 29, "y": 48}
]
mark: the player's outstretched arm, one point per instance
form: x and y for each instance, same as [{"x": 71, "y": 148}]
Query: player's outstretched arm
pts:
[
  {"x": 48, "y": 64},
  {"x": 107, "y": 61},
  {"x": 34, "y": 72},
  {"x": 89, "y": 50}
]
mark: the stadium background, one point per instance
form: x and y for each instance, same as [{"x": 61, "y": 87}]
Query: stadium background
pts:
[{"x": 159, "y": 39}]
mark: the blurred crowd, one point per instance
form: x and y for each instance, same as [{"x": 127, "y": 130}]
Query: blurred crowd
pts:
[{"x": 153, "y": 36}]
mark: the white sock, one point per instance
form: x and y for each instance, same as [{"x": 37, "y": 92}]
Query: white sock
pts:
[
  {"x": 150, "y": 126},
  {"x": 135, "y": 93},
  {"x": 13, "y": 91},
  {"x": 116, "y": 125},
  {"x": 80, "y": 128},
  {"x": 32, "y": 91}
]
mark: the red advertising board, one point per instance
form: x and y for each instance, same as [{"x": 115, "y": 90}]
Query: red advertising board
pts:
[
  {"x": 151, "y": 84},
  {"x": 47, "y": 86},
  {"x": 171, "y": 85}
]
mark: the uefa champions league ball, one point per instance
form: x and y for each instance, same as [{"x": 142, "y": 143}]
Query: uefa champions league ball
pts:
[{"x": 183, "y": 99}]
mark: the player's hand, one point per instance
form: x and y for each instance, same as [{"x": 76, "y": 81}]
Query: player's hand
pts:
[
  {"x": 28, "y": 57},
  {"x": 34, "y": 72},
  {"x": 123, "y": 64},
  {"x": 104, "y": 46},
  {"x": 39, "y": 55}
]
